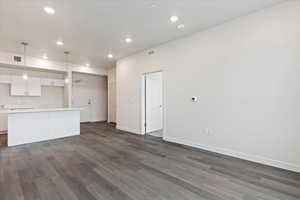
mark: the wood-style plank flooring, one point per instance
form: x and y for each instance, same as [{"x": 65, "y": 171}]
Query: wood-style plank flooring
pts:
[
  {"x": 3, "y": 140},
  {"x": 106, "y": 164}
]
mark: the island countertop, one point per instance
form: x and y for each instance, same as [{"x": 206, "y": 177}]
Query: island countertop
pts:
[
  {"x": 37, "y": 125},
  {"x": 40, "y": 110}
]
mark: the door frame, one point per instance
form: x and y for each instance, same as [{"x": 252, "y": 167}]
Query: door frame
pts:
[{"x": 143, "y": 101}]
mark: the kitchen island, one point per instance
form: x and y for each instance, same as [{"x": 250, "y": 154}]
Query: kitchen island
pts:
[{"x": 35, "y": 125}]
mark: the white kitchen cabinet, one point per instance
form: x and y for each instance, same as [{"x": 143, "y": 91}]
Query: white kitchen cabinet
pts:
[
  {"x": 5, "y": 79},
  {"x": 29, "y": 87},
  {"x": 59, "y": 83},
  {"x": 52, "y": 82},
  {"x": 18, "y": 86},
  {"x": 47, "y": 82}
]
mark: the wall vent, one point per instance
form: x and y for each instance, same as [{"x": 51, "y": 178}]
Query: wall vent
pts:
[
  {"x": 151, "y": 52},
  {"x": 17, "y": 59}
]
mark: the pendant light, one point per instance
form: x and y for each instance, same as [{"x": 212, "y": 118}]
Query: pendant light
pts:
[
  {"x": 67, "y": 53},
  {"x": 25, "y": 75}
]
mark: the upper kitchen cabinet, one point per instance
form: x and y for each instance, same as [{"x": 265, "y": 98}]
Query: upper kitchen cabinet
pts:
[
  {"x": 18, "y": 86},
  {"x": 52, "y": 82},
  {"x": 5, "y": 79},
  {"x": 22, "y": 87}
]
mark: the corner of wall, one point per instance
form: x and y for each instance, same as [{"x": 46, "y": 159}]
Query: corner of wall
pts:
[{"x": 130, "y": 130}]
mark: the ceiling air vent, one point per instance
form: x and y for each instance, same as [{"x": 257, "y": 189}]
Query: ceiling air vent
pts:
[
  {"x": 17, "y": 59},
  {"x": 151, "y": 52}
]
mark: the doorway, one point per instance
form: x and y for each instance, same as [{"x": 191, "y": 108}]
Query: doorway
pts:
[
  {"x": 89, "y": 92},
  {"x": 153, "y": 103}
]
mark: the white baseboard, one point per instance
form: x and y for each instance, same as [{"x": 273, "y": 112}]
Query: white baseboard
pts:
[
  {"x": 253, "y": 158},
  {"x": 100, "y": 120},
  {"x": 123, "y": 128}
]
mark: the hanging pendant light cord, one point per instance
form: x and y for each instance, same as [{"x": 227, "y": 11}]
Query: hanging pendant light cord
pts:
[
  {"x": 67, "y": 57},
  {"x": 25, "y": 76},
  {"x": 25, "y": 44},
  {"x": 67, "y": 64}
]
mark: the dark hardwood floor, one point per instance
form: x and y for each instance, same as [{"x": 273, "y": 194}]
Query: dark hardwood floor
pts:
[{"x": 106, "y": 164}]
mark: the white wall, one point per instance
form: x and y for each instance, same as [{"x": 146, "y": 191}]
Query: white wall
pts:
[
  {"x": 33, "y": 63},
  {"x": 112, "y": 95},
  {"x": 246, "y": 75},
  {"x": 6, "y": 58},
  {"x": 94, "y": 88},
  {"x": 52, "y": 97}
]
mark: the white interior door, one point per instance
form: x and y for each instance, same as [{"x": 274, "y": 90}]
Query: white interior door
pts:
[{"x": 154, "y": 102}]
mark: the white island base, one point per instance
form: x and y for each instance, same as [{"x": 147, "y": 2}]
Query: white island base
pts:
[{"x": 36, "y": 125}]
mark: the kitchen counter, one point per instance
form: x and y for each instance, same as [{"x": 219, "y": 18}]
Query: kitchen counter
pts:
[
  {"x": 41, "y": 110},
  {"x": 36, "y": 125}
]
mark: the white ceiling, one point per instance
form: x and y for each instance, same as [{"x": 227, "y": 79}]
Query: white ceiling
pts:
[{"x": 92, "y": 28}]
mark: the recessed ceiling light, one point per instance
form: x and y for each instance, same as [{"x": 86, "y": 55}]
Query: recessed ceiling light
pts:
[
  {"x": 174, "y": 19},
  {"x": 110, "y": 55},
  {"x": 180, "y": 26},
  {"x": 87, "y": 64},
  {"x": 45, "y": 56},
  {"x": 59, "y": 43},
  {"x": 128, "y": 40},
  {"x": 49, "y": 10}
]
